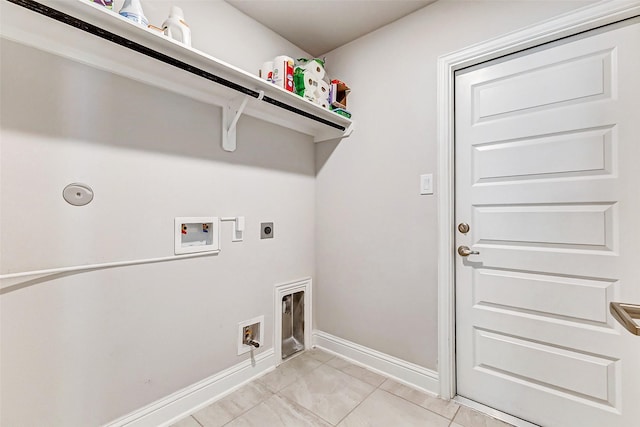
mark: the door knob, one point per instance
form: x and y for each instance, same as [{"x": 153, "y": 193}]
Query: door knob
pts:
[{"x": 465, "y": 251}]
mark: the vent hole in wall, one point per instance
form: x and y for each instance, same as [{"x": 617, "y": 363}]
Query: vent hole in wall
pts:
[
  {"x": 292, "y": 318},
  {"x": 292, "y": 324}
]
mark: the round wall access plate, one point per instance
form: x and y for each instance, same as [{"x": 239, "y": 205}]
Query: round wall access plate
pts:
[{"x": 77, "y": 194}]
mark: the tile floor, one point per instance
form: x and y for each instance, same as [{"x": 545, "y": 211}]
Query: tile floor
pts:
[{"x": 318, "y": 389}]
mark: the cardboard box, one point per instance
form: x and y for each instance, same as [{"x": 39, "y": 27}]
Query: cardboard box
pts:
[{"x": 339, "y": 93}]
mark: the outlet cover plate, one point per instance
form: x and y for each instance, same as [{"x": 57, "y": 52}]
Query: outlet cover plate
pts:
[{"x": 266, "y": 230}]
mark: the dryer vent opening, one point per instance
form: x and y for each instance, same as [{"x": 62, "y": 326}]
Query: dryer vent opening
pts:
[{"x": 292, "y": 324}]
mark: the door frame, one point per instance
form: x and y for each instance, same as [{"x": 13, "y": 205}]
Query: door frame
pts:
[{"x": 583, "y": 19}]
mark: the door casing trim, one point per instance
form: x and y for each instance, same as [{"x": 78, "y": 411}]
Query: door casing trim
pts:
[{"x": 584, "y": 19}]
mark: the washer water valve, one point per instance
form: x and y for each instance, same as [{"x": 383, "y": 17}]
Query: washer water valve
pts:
[{"x": 249, "y": 335}]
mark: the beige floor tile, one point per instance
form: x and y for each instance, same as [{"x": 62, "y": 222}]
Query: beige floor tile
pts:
[
  {"x": 278, "y": 412},
  {"x": 289, "y": 372},
  {"x": 445, "y": 408},
  {"x": 186, "y": 422},
  {"x": 338, "y": 363},
  {"x": 357, "y": 371},
  {"x": 318, "y": 389},
  {"x": 229, "y": 407},
  {"x": 320, "y": 355},
  {"x": 469, "y": 418},
  {"x": 383, "y": 409},
  {"x": 279, "y": 378},
  {"x": 328, "y": 393}
]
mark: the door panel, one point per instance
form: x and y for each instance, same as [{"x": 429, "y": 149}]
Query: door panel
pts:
[
  {"x": 547, "y": 146},
  {"x": 546, "y": 86},
  {"x": 565, "y": 155},
  {"x": 568, "y": 371},
  {"x": 582, "y": 226},
  {"x": 521, "y": 292}
]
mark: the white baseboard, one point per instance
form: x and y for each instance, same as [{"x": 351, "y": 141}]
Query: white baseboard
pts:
[
  {"x": 178, "y": 405},
  {"x": 405, "y": 372}
]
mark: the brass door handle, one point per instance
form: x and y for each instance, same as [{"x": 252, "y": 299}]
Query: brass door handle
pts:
[
  {"x": 465, "y": 251},
  {"x": 625, "y": 313}
]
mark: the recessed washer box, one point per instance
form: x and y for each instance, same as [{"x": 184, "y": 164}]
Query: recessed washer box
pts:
[{"x": 197, "y": 234}]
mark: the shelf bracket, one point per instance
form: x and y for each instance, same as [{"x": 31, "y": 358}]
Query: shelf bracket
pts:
[
  {"x": 331, "y": 134},
  {"x": 230, "y": 115}
]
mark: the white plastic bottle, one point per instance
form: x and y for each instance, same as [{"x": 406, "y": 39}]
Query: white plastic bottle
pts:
[
  {"x": 176, "y": 28},
  {"x": 132, "y": 9},
  {"x": 283, "y": 72}
]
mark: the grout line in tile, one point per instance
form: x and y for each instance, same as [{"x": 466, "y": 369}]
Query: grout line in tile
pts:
[
  {"x": 259, "y": 403},
  {"x": 295, "y": 404},
  {"x": 230, "y": 421},
  {"x": 393, "y": 394},
  {"x": 386, "y": 378},
  {"x": 353, "y": 376},
  {"x": 407, "y": 400},
  {"x": 454, "y": 416},
  {"x": 356, "y": 407},
  {"x": 422, "y": 407},
  {"x": 419, "y": 406},
  {"x": 323, "y": 363},
  {"x": 272, "y": 393},
  {"x": 297, "y": 377}
]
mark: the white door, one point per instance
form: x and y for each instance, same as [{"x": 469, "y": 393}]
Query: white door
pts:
[{"x": 548, "y": 180}]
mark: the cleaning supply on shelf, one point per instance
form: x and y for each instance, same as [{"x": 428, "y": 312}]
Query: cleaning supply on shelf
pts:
[
  {"x": 176, "y": 28},
  {"x": 106, "y": 3},
  {"x": 132, "y": 9},
  {"x": 266, "y": 71},
  {"x": 342, "y": 112},
  {"x": 298, "y": 81},
  {"x": 283, "y": 72}
]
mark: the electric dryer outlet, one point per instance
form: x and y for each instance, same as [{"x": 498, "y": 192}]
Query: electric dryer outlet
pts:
[{"x": 266, "y": 230}]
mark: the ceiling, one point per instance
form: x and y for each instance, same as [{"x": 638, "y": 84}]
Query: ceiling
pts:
[{"x": 319, "y": 26}]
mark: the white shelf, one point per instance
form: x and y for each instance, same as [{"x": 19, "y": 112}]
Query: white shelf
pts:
[{"x": 29, "y": 27}]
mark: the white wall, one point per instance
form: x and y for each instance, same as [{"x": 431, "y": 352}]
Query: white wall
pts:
[
  {"x": 85, "y": 348},
  {"x": 376, "y": 250}
]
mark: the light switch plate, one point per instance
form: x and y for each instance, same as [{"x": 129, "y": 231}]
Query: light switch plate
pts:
[{"x": 426, "y": 183}]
